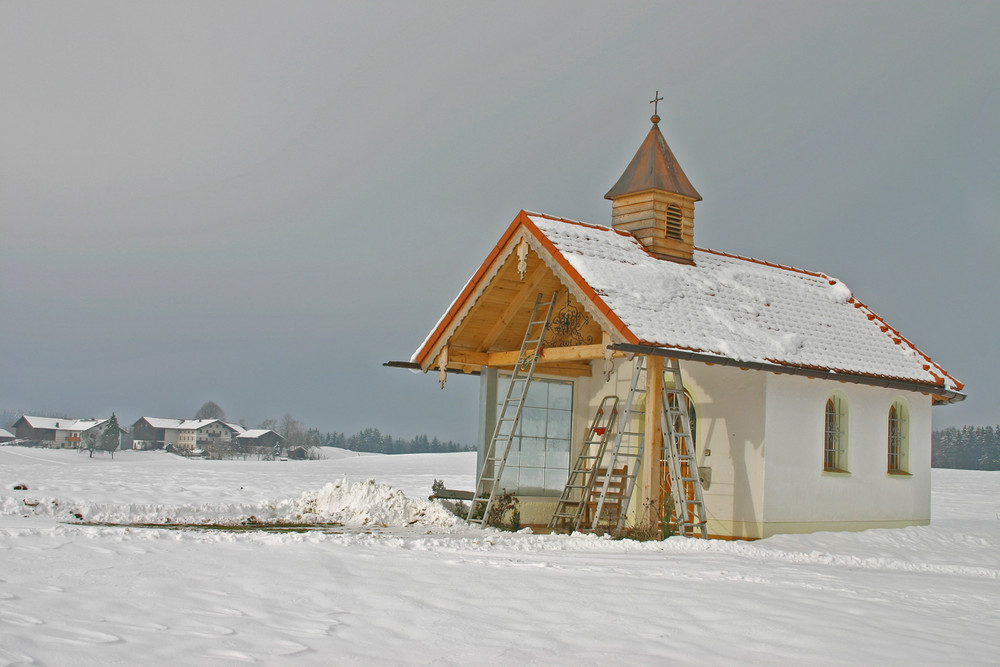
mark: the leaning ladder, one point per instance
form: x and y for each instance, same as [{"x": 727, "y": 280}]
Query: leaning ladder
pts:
[
  {"x": 626, "y": 456},
  {"x": 509, "y": 415},
  {"x": 580, "y": 485},
  {"x": 679, "y": 457}
]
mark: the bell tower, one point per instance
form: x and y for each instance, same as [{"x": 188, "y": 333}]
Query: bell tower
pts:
[{"x": 654, "y": 201}]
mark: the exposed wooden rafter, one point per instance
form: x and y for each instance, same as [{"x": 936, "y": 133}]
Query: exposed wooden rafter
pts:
[{"x": 534, "y": 276}]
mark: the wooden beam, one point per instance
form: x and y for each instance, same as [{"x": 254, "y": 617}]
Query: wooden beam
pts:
[
  {"x": 532, "y": 278},
  {"x": 564, "y": 370},
  {"x": 652, "y": 482},
  {"x": 470, "y": 357},
  {"x": 552, "y": 354}
]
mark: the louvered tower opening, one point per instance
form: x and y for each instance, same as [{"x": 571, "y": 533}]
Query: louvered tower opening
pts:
[{"x": 674, "y": 227}]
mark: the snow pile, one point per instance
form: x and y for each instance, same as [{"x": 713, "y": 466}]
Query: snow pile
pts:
[
  {"x": 370, "y": 504},
  {"x": 367, "y": 504}
]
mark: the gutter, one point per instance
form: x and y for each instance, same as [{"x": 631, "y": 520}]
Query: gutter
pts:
[{"x": 940, "y": 394}]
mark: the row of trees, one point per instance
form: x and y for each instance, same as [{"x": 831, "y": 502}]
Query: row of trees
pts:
[
  {"x": 969, "y": 448},
  {"x": 297, "y": 436}
]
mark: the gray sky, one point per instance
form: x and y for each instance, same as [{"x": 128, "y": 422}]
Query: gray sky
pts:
[{"x": 259, "y": 203}]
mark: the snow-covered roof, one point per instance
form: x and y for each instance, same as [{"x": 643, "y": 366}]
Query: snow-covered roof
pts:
[
  {"x": 722, "y": 308},
  {"x": 62, "y": 424},
  {"x": 187, "y": 424},
  {"x": 4, "y": 433},
  {"x": 254, "y": 433},
  {"x": 735, "y": 307},
  {"x": 160, "y": 422}
]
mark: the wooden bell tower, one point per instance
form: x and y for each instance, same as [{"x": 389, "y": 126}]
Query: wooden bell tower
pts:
[{"x": 654, "y": 201}]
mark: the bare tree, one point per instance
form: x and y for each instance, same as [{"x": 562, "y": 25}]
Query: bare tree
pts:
[
  {"x": 210, "y": 410},
  {"x": 291, "y": 429}
]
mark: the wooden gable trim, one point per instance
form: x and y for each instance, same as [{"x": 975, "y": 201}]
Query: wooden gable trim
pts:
[
  {"x": 468, "y": 296},
  {"x": 520, "y": 228},
  {"x": 586, "y": 295}
]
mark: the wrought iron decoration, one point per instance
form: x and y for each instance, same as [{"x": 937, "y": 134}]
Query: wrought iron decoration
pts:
[{"x": 567, "y": 325}]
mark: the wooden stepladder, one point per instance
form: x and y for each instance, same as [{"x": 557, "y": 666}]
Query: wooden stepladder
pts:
[
  {"x": 616, "y": 479},
  {"x": 577, "y": 493},
  {"x": 509, "y": 415},
  {"x": 678, "y": 459}
]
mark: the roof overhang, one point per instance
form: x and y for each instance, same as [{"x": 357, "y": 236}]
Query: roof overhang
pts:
[
  {"x": 940, "y": 395},
  {"x": 521, "y": 228}
]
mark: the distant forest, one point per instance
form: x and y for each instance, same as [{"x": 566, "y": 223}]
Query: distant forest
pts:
[
  {"x": 969, "y": 448},
  {"x": 372, "y": 440}
]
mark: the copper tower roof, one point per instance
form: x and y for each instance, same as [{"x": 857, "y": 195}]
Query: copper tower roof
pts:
[{"x": 654, "y": 167}]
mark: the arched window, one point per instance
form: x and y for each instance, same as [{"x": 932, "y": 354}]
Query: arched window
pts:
[
  {"x": 692, "y": 418},
  {"x": 835, "y": 434},
  {"x": 899, "y": 437}
]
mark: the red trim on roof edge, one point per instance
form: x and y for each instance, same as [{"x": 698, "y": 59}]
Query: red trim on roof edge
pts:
[
  {"x": 576, "y": 277},
  {"x": 459, "y": 302},
  {"x": 523, "y": 219},
  {"x": 766, "y": 263},
  {"x": 895, "y": 335},
  {"x": 899, "y": 338}
]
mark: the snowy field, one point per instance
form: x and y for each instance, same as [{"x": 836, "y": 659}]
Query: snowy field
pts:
[{"x": 400, "y": 583}]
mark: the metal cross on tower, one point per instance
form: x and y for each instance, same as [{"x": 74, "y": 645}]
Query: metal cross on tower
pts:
[{"x": 655, "y": 102}]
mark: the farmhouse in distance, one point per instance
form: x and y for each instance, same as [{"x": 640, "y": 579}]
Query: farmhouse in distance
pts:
[{"x": 628, "y": 377}]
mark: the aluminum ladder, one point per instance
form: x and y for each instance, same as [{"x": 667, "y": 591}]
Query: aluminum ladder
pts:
[
  {"x": 679, "y": 458},
  {"x": 617, "y": 479},
  {"x": 509, "y": 415},
  {"x": 583, "y": 476}
]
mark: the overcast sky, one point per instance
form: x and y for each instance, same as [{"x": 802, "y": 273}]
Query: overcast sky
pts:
[{"x": 259, "y": 203}]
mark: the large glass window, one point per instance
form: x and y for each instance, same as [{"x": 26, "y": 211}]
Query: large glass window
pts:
[
  {"x": 538, "y": 462},
  {"x": 835, "y": 435}
]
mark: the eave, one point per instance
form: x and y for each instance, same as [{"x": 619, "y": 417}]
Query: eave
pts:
[{"x": 938, "y": 392}]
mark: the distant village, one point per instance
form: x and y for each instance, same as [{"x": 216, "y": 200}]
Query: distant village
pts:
[
  {"x": 211, "y": 436},
  {"x": 191, "y": 437}
]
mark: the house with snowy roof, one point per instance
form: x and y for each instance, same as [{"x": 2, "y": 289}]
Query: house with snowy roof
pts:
[
  {"x": 629, "y": 379},
  {"x": 57, "y": 431},
  {"x": 185, "y": 434},
  {"x": 260, "y": 437}
]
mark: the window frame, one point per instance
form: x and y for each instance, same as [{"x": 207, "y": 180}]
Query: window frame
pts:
[
  {"x": 835, "y": 433},
  {"x": 898, "y": 438},
  {"x": 548, "y": 449}
]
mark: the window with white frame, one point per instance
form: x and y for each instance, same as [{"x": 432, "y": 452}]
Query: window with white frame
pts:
[
  {"x": 899, "y": 437},
  {"x": 835, "y": 434},
  {"x": 538, "y": 461}
]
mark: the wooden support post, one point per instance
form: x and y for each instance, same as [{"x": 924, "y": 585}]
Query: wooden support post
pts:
[{"x": 651, "y": 483}]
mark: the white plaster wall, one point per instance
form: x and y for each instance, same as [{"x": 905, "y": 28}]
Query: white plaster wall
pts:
[
  {"x": 170, "y": 437},
  {"x": 589, "y": 392},
  {"x": 800, "y": 496},
  {"x": 730, "y": 407},
  {"x": 730, "y": 432}
]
